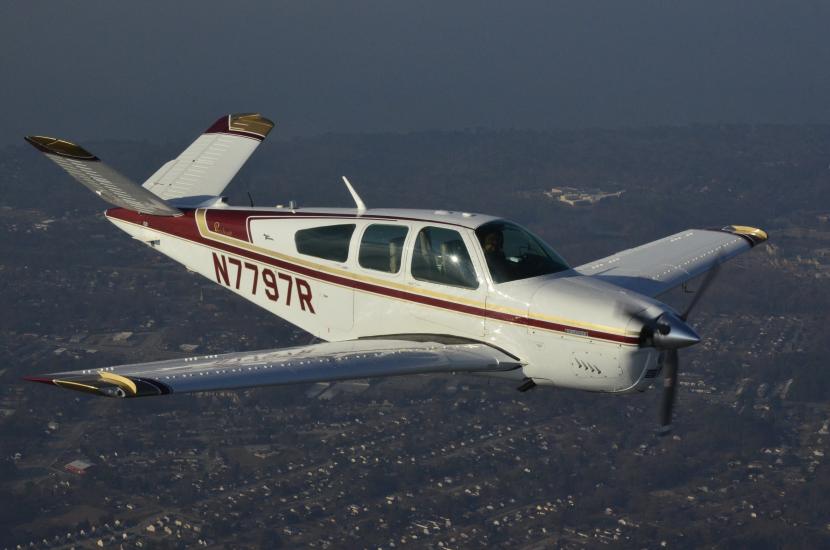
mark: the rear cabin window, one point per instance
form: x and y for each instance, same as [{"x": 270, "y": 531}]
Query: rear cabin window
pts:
[
  {"x": 381, "y": 247},
  {"x": 439, "y": 256},
  {"x": 330, "y": 242}
]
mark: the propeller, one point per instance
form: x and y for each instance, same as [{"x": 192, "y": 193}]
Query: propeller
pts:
[
  {"x": 669, "y": 332},
  {"x": 670, "y": 361},
  {"x": 669, "y": 345}
]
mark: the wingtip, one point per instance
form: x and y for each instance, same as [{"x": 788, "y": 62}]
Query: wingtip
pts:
[
  {"x": 60, "y": 147},
  {"x": 246, "y": 124},
  {"x": 754, "y": 235},
  {"x": 38, "y": 379}
]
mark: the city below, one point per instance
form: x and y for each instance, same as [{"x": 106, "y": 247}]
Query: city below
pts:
[{"x": 439, "y": 461}]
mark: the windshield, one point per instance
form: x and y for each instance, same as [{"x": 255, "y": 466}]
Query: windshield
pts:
[{"x": 512, "y": 253}]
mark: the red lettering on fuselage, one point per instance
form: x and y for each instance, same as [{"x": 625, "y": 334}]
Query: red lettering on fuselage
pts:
[
  {"x": 221, "y": 269},
  {"x": 270, "y": 282},
  {"x": 304, "y": 294},
  {"x": 269, "y": 278},
  {"x": 238, "y": 264},
  {"x": 288, "y": 279}
]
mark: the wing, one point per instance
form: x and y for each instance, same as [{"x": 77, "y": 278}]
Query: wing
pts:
[
  {"x": 661, "y": 265},
  {"x": 104, "y": 181},
  {"x": 316, "y": 363},
  {"x": 207, "y": 166}
]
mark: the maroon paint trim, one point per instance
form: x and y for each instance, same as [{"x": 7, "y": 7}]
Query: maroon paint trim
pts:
[
  {"x": 185, "y": 227},
  {"x": 231, "y": 226},
  {"x": 222, "y": 126},
  {"x": 39, "y": 379}
]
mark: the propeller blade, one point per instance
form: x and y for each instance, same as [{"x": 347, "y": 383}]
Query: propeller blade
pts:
[
  {"x": 704, "y": 286},
  {"x": 670, "y": 363}
]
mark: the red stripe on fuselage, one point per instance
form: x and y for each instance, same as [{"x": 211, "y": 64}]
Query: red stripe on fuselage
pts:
[
  {"x": 231, "y": 226},
  {"x": 39, "y": 379},
  {"x": 185, "y": 227}
]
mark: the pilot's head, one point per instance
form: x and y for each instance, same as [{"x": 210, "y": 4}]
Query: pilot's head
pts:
[{"x": 493, "y": 241}]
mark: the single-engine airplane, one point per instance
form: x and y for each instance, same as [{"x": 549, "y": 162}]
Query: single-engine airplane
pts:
[{"x": 396, "y": 291}]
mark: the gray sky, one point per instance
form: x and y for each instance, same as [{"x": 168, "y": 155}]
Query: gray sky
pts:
[{"x": 164, "y": 71}]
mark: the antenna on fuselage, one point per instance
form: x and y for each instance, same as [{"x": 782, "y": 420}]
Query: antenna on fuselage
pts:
[{"x": 361, "y": 206}]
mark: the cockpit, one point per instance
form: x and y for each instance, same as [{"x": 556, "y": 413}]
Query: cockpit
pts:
[{"x": 513, "y": 254}]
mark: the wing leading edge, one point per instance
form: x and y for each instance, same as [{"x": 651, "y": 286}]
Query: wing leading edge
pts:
[
  {"x": 328, "y": 361},
  {"x": 659, "y": 266}
]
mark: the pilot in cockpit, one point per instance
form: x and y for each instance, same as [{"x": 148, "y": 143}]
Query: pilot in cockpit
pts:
[
  {"x": 492, "y": 242},
  {"x": 513, "y": 254}
]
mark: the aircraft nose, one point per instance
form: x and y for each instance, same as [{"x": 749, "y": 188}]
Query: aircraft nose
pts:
[
  {"x": 671, "y": 332},
  {"x": 660, "y": 326}
]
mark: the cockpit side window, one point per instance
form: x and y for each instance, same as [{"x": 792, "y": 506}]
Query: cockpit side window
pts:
[
  {"x": 512, "y": 253},
  {"x": 440, "y": 256}
]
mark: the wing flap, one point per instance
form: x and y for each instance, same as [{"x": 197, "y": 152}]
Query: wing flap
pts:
[
  {"x": 316, "y": 363},
  {"x": 657, "y": 267}
]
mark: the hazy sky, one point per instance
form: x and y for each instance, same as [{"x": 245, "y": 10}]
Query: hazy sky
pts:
[{"x": 92, "y": 70}]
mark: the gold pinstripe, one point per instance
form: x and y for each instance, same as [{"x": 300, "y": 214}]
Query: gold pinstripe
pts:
[
  {"x": 207, "y": 233},
  {"x": 75, "y": 385}
]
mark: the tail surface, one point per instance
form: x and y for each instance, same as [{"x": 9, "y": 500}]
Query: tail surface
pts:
[
  {"x": 104, "y": 181},
  {"x": 195, "y": 177},
  {"x": 205, "y": 168}
]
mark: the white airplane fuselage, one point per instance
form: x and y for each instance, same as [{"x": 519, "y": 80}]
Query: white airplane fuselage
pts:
[{"x": 569, "y": 330}]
